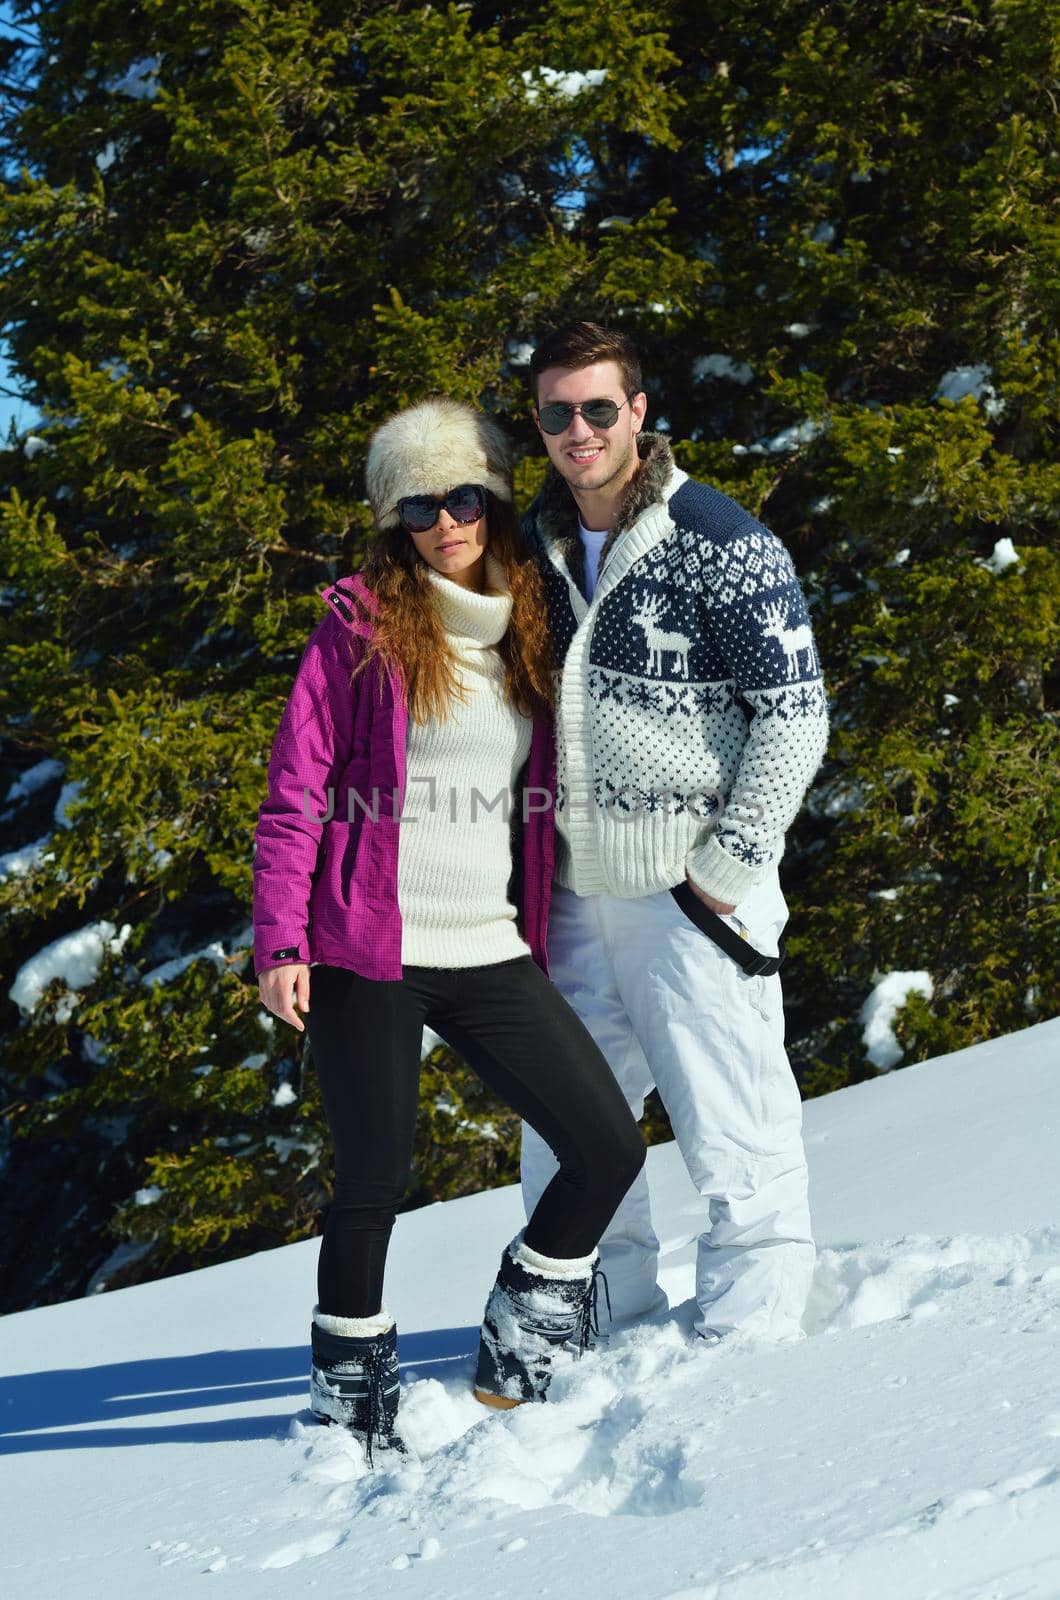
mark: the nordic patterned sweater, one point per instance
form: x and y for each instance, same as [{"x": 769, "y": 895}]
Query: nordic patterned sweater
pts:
[{"x": 691, "y": 712}]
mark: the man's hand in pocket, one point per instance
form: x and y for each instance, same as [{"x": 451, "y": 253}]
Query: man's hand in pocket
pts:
[{"x": 719, "y": 907}]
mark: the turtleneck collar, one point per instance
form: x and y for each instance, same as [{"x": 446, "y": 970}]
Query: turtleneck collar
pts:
[{"x": 477, "y": 620}]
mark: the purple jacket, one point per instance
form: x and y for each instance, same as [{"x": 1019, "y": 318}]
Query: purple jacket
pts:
[{"x": 336, "y": 740}]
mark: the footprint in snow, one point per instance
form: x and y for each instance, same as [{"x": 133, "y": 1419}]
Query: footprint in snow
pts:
[
  {"x": 317, "y": 1544},
  {"x": 905, "y": 1278}
]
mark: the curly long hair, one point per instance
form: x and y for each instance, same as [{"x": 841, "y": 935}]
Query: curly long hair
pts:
[{"x": 407, "y": 631}]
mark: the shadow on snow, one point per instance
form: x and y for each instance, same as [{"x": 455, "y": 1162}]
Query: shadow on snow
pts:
[{"x": 68, "y": 1408}]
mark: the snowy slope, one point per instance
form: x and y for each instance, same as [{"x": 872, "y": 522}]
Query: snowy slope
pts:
[{"x": 156, "y": 1438}]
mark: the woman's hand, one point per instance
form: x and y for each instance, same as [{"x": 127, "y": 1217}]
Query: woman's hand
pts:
[{"x": 280, "y": 989}]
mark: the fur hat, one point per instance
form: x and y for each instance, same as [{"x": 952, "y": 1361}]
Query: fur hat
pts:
[{"x": 430, "y": 448}]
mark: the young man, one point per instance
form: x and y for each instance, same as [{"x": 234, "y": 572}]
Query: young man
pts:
[{"x": 691, "y": 717}]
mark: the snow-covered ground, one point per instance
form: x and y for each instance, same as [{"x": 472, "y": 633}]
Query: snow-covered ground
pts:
[{"x": 155, "y": 1439}]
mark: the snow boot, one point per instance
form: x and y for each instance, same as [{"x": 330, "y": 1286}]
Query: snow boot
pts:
[
  {"x": 354, "y": 1378},
  {"x": 538, "y": 1306}
]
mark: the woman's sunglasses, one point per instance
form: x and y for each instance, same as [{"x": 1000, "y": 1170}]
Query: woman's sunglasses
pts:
[
  {"x": 597, "y": 413},
  {"x": 466, "y": 503}
]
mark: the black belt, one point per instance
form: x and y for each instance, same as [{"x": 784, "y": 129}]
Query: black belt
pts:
[{"x": 753, "y": 962}]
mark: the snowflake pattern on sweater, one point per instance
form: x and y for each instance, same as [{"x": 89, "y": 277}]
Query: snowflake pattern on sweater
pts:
[{"x": 691, "y": 689}]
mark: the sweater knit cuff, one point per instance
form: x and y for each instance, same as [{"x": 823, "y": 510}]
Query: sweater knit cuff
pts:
[{"x": 718, "y": 874}]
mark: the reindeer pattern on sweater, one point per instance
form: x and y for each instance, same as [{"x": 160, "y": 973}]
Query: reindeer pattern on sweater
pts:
[{"x": 691, "y": 711}]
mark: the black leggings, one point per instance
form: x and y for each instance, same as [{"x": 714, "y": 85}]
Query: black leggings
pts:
[{"x": 517, "y": 1032}]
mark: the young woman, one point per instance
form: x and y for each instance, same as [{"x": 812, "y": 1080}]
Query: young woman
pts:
[{"x": 401, "y": 879}]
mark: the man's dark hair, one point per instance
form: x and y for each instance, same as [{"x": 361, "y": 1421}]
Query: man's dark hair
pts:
[{"x": 583, "y": 344}]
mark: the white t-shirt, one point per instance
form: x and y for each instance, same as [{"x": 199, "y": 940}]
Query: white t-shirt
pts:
[{"x": 592, "y": 544}]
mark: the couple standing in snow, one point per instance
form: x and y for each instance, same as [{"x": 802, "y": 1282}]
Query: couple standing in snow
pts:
[{"x": 634, "y": 675}]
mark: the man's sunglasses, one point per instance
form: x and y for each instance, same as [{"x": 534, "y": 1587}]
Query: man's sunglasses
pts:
[
  {"x": 466, "y": 503},
  {"x": 597, "y": 413}
]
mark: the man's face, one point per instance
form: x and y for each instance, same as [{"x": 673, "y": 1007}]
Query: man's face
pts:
[{"x": 590, "y": 457}]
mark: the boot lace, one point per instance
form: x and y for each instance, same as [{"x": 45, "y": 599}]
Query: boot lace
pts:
[
  {"x": 588, "y": 1320},
  {"x": 376, "y": 1362}
]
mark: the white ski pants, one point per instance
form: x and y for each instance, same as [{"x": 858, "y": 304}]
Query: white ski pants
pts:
[{"x": 668, "y": 1008}]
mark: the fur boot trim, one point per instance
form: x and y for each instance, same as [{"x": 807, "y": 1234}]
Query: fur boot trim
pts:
[
  {"x": 432, "y": 447},
  {"x": 354, "y": 1327},
  {"x": 551, "y": 1266}
]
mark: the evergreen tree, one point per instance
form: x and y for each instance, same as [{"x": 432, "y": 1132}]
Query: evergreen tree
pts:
[{"x": 233, "y": 237}]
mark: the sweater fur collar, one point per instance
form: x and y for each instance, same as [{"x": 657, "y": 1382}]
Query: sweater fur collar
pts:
[{"x": 557, "y": 510}]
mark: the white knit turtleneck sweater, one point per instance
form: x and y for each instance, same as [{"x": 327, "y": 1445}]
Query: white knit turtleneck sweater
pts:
[{"x": 453, "y": 865}]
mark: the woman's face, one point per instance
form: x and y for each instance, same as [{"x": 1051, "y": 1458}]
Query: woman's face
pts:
[{"x": 456, "y": 550}]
